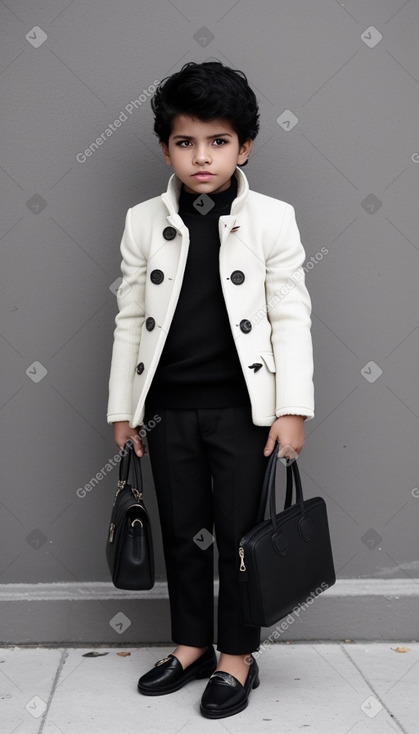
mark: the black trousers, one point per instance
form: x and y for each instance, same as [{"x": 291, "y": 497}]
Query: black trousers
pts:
[{"x": 208, "y": 468}]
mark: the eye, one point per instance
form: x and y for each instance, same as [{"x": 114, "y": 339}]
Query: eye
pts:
[
  {"x": 220, "y": 140},
  {"x": 181, "y": 143}
]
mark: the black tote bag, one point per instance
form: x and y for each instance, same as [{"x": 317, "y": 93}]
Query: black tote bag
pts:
[{"x": 286, "y": 559}]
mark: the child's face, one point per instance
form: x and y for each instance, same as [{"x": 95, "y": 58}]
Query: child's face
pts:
[{"x": 211, "y": 146}]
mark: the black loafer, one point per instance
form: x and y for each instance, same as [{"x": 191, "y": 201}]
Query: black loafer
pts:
[
  {"x": 224, "y": 695},
  {"x": 168, "y": 674}
]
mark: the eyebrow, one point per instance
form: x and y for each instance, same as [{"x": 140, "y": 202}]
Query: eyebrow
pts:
[{"x": 190, "y": 137}]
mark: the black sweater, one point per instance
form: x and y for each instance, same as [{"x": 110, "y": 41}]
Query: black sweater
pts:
[{"x": 199, "y": 366}]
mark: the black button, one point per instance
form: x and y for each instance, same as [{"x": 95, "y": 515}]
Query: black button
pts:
[
  {"x": 169, "y": 233},
  {"x": 150, "y": 323},
  {"x": 157, "y": 276},
  {"x": 237, "y": 277},
  {"x": 245, "y": 326},
  {"x": 140, "y": 368}
]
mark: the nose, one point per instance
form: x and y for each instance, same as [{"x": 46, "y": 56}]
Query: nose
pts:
[{"x": 202, "y": 154}]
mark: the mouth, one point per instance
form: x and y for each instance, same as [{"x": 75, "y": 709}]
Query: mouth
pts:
[{"x": 203, "y": 175}]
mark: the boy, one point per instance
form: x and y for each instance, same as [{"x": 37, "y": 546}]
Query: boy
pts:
[{"x": 212, "y": 345}]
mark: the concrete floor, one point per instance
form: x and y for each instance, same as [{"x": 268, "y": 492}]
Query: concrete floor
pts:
[{"x": 318, "y": 688}]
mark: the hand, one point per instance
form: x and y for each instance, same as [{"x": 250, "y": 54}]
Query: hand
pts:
[
  {"x": 288, "y": 430},
  {"x": 123, "y": 432}
]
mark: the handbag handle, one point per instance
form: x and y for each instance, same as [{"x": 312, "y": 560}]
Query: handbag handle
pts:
[
  {"x": 124, "y": 467},
  {"x": 268, "y": 489}
]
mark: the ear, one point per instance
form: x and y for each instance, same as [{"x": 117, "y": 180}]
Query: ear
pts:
[
  {"x": 244, "y": 152},
  {"x": 166, "y": 155}
]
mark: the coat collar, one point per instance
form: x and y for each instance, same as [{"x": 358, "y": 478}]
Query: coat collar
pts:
[{"x": 171, "y": 197}]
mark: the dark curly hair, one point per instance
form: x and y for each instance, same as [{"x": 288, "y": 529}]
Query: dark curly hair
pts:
[{"x": 208, "y": 91}]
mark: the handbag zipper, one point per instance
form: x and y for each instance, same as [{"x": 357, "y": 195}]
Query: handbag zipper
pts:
[
  {"x": 241, "y": 554},
  {"x": 111, "y": 531}
]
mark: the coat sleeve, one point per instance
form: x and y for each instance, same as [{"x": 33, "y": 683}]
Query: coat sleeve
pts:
[
  {"x": 128, "y": 324},
  {"x": 289, "y": 312}
]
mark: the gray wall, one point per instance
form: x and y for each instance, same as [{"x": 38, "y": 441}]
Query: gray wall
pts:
[{"x": 350, "y": 77}]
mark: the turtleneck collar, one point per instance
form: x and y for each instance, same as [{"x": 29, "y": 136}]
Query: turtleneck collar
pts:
[
  {"x": 170, "y": 199},
  {"x": 221, "y": 200}
]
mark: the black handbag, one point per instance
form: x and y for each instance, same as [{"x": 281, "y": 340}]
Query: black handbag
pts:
[
  {"x": 286, "y": 560},
  {"x": 129, "y": 548}
]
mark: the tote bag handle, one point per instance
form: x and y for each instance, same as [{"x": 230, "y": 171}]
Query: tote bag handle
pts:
[{"x": 268, "y": 498}]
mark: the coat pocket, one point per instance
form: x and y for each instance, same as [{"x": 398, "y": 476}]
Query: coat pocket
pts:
[{"x": 269, "y": 360}]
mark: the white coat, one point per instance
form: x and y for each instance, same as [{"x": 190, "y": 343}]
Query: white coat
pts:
[{"x": 269, "y": 311}]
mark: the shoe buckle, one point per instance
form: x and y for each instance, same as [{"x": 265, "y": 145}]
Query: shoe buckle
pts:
[{"x": 228, "y": 679}]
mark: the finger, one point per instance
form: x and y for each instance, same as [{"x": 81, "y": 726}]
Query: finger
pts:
[
  {"x": 138, "y": 446},
  {"x": 270, "y": 443},
  {"x": 136, "y": 443},
  {"x": 119, "y": 440},
  {"x": 125, "y": 441}
]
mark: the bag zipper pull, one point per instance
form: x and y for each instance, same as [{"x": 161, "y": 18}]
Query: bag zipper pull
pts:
[
  {"x": 137, "y": 494},
  {"x": 111, "y": 531},
  {"x": 241, "y": 554},
  {"x": 120, "y": 485}
]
